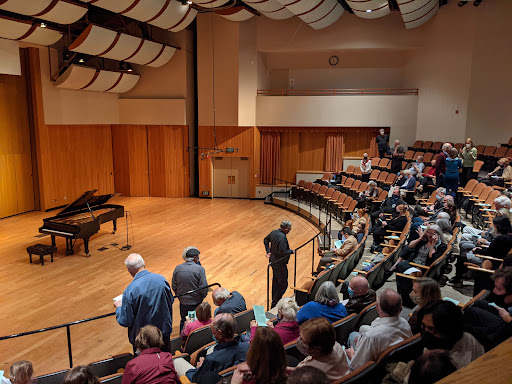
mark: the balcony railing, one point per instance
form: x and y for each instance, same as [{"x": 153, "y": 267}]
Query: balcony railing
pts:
[{"x": 338, "y": 92}]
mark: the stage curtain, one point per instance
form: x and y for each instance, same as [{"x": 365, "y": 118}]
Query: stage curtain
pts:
[
  {"x": 334, "y": 153},
  {"x": 270, "y": 156}
]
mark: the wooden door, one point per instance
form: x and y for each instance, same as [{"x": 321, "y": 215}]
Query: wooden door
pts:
[
  {"x": 240, "y": 177},
  {"x": 222, "y": 177}
]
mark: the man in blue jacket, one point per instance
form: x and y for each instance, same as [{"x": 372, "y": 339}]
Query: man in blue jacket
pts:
[{"x": 147, "y": 300}]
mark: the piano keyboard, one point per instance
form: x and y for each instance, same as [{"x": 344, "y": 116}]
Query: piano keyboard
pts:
[{"x": 52, "y": 231}]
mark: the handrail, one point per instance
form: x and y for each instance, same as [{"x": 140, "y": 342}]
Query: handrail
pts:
[
  {"x": 338, "y": 92},
  {"x": 323, "y": 231},
  {"x": 68, "y": 325}
]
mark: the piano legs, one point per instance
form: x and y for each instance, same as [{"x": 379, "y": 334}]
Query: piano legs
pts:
[
  {"x": 69, "y": 246},
  {"x": 115, "y": 226}
]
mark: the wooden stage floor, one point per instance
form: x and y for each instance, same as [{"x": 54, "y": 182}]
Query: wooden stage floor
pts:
[{"x": 229, "y": 233}]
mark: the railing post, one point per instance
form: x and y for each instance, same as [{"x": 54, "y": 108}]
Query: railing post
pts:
[
  {"x": 313, "y": 257},
  {"x": 286, "y": 193},
  {"x": 268, "y": 286},
  {"x": 295, "y": 269},
  {"x": 70, "y": 354}
]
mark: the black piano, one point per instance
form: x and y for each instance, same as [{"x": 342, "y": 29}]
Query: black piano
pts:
[{"x": 81, "y": 219}]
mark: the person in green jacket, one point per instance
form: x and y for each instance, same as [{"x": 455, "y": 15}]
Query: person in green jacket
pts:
[{"x": 468, "y": 155}]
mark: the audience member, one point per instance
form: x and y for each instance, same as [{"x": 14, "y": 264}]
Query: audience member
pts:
[
  {"x": 366, "y": 168},
  {"x": 365, "y": 198},
  {"x": 388, "y": 329},
  {"x": 440, "y": 166},
  {"x": 21, "y": 372},
  {"x": 397, "y": 156},
  {"x": 287, "y": 326},
  {"x": 382, "y": 143},
  {"x": 468, "y": 155},
  {"x": 147, "y": 300},
  {"x": 359, "y": 232},
  {"x": 420, "y": 216},
  {"x": 451, "y": 176},
  {"x": 498, "y": 248},
  {"x": 266, "y": 360},
  {"x": 409, "y": 182},
  {"x": 431, "y": 367},
  {"x": 204, "y": 318},
  {"x": 80, "y": 374},
  {"x": 349, "y": 244},
  {"x": 429, "y": 178},
  {"x": 489, "y": 323},
  {"x": 326, "y": 304},
  {"x": 417, "y": 167},
  {"x": 360, "y": 294},
  {"x": 358, "y": 217},
  {"x": 446, "y": 228},
  {"x": 308, "y": 375},
  {"x": 442, "y": 327},
  {"x": 502, "y": 173},
  {"x": 318, "y": 343},
  {"x": 189, "y": 276},
  {"x": 440, "y": 194},
  {"x": 152, "y": 366},
  {"x": 398, "y": 223},
  {"x": 227, "y": 353},
  {"x": 424, "y": 291},
  {"x": 388, "y": 205},
  {"x": 227, "y": 302}
]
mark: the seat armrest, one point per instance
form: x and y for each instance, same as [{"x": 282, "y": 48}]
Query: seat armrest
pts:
[{"x": 419, "y": 266}]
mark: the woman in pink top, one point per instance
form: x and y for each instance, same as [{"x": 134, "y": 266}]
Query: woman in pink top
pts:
[
  {"x": 287, "y": 326},
  {"x": 204, "y": 317}
]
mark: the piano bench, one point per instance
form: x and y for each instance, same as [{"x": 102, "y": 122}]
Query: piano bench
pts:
[{"x": 41, "y": 250}]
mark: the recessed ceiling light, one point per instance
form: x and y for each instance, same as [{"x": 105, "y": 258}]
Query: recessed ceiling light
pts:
[
  {"x": 43, "y": 25},
  {"x": 368, "y": 10}
]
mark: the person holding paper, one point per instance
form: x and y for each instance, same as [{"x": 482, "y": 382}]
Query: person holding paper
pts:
[
  {"x": 349, "y": 244},
  {"x": 147, "y": 300},
  {"x": 287, "y": 326},
  {"x": 278, "y": 251}
]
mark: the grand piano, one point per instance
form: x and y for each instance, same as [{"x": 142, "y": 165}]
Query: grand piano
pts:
[{"x": 81, "y": 219}]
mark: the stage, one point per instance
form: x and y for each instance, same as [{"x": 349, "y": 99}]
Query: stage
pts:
[{"x": 228, "y": 232}]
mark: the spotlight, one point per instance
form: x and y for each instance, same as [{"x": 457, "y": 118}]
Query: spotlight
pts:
[
  {"x": 43, "y": 25},
  {"x": 462, "y": 3},
  {"x": 477, "y": 3},
  {"x": 368, "y": 10},
  {"x": 129, "y": 67},
  {"x": 81, "y": 59}
]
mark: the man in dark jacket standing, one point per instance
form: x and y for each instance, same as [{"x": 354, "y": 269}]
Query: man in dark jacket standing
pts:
[
  {"x": 278, "y": 251},
  {"x": 382, "y": 143}
]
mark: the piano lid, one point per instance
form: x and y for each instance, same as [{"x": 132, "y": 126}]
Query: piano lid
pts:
[{"x": 80, "y": 203}]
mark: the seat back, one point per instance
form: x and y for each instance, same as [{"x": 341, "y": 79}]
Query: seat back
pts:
[
  {"x": 481, "y": 296},
  {"x": 363, "y": 375},
  {"x": 111, "y": 365},
  {"x": 355, "y": 185},
  {"x": 347, "y": 203},
  {"x": 500, "y": 152},
  {"x": 197, "y": 338},
  {"x": 315, "y": 188},
  {"x": 409, "y": 155},
  {"x": 417, "y": 144},
  {"x": 375, "y": 161},
  {"x": 349, "y": 182},
  {"x": 301, "y": 183},
  {"x": 485, "y": 193},
  {"x": 458, "y": 146},
  {"x": 428, "y": 157},
  {"x": 367, "y": 315},
  {"x": 382, "y": 177},
  {"x": 335, "y": 196},
  {"x": 344, "y": 326},
  {"x": 352, "y": 206},
  {"x": 329, "y": 193},
  {"x": 358, "y": 171},
  {"x": 308, "y": 185},
  {"x": 470, "y": 185},
  {"x": 350, "y": 169},
  {"x": 374, "y": 175},
  {"x": 426, "y": 145},
  {"x": 51, "y": 378},
  {"x": 322, "y": 190},
  {"x": 363, "y": 187},
  {"x": 326, "y": 176},
  {"x": 476, "y": 192},
  {"x": 438, "y": 267},
  {"x": 477, "y": 166},
  {"x": 492, "y": 196},
  {"x": 509, "y": 153},
  {"x": 291, "y": 350},
  {"x": 480, "y": 149},
  {"x": 489, "y": 150},
  {"x": 405, "y": 351},
  {"x": 390, "y": 179},
  {"x": 436, "y": 146},
  {"x": 385, "y": 163},
  {"x": 113, "y": 379},
  {"x": 419, "y": 153},
  {"x": 382, "y": 196},
  {"x": 243, "y": 320}
]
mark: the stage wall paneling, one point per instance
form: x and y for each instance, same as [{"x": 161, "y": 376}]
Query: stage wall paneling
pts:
[
  {"x": 289, "y": 155},
  {"x": 16, "y": 183},
  {"x": 130, "y": 153}
]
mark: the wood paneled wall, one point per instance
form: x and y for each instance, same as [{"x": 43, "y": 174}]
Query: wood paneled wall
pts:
[
  {"x": 16, "y": 183},
  {"x": 242, "y": 138},
  {"x": 130, "y": 152}
]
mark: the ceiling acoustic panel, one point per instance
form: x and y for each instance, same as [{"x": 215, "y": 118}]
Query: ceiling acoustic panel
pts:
[
  {"x": 22, "y": 30},
  {"x": 369, "y": 9},
  {"x": 272, "y": 9},
  {"x": 417, "y": 12},
  {"x": 117, "y": 6},
  {"x": 210, "y": 3},
  {"x": 235, "y": 14},
  {"x": 317, "y": 14},
  {"x": 57, "y": 11},
  {"x": 103, "y": 42},
  {"x": 189, "y": 17},
  {"x": 90, "y": 79}
]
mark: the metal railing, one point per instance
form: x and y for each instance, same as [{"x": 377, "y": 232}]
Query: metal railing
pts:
[
  {"x": 338, "y": 92},
  {"x": 68, "y": 325},
  {"x": 325, "y": 231}
]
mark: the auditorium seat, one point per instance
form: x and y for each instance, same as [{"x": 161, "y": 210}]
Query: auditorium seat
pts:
[
  {"x": 436, "y": 147},
  {"x": 344, "y": 326},
  {"x": 110, "y": 366},
  {"x": 426, "y": 145},
  {"x": 428, "y": 158}
]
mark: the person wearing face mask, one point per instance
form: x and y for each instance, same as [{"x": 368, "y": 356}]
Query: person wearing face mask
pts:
[
  {"x": 397, "y": 155},
  {"x": 502, "y": 173},
  {"x": 429, "y": 178},
  {"x": 442, "y": 327},
  {"x": 451, "y": 176},
  {"x": 492, "y": 324},
  {"x": 424, "y": 291},
  {"x": 287, "y": 326},
  {"x": 360, "y": 294},
  {"x": 468, "y": 155},
  {"x": 382, "y": 143},
  {"x": 366, "y": 168},
  {"x": 349, "y": 244},
  {"x": 318, "y": 343}
]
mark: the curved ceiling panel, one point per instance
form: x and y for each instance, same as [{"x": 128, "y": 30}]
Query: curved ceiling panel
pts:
[
  {"x": 270, "y": 8},
  {"x": 104, "y": 80},
  {"x": 117, "y": 6},
  {"x": 145, "y": 10},
  {"x": 75, "y": 77},
  {"x": 370, "y": 9},
  {"x": 103, "y": 42},
  {"x": 417, "y": 12},
  {"x": 210, "y": 3},
  {"x": 126, "y": 82},
  {"x": 171, "y": 15},
  {"x": 26, "y": 31},
  {"x": 330, "y": 17},
  {"x": 57, "y": 11},
  {"x": 185, "y": 21},
  {"x": 317, "y": 13},
  {"x": 236, "y": 14}
]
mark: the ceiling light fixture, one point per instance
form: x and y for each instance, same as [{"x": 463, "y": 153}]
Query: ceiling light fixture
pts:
[
  {"x": 368, "y": 10},
  {"x": 462, "y": 3},
  {"x": 129, "y": 67},
  {"x": 189, "y": 2},
  {"x": 81, "y": 59},
  {"x": 43, "y": 25}
]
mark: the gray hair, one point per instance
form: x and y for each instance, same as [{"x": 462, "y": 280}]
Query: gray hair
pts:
[
  {"x": 286, "y": 224},
  {"x": 503, "y": 201},
  {"x": 220, "y": 293},
  {"x": 326, "y": 293},
  {"x": 446, "y": 147},
  {"x": 407, "y": 172},
  {"x": 443, "y": 215},
  {"x": 418, "y": 158},
  {"x": 442, "y": 190},
  {"x": 437, "y": 229},
  {"x": 225, "y": 322},
  {"x": 372, "y": 183},
  {"x": 184, "y": 255},
  {"x": 134, "y": 261},
  {"x": 403, "y": 193},
  {"x": 445, "y": 225},
  {"x": 288, "y": 308}
]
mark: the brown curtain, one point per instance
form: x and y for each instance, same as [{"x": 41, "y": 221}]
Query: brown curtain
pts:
[
  {"x": 334, "y": 153},
  {"x": 373, "y": 145},
  {"x": 270, "y": 156}
]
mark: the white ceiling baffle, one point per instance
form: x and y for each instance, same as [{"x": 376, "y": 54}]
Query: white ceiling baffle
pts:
[
  {"x": 27, "y": 32},
  {"x": 417, "y": 12},
  {"x": 103, "y": 42},
  {"x": 369, "y": 9},
  {"x": 57, "y": 11},
  {"x": 272, "y": 9},
  {"x": 235, "y": 14},
  {"x": 210, "y": 3},
  {"x": 317, "y": 14}
]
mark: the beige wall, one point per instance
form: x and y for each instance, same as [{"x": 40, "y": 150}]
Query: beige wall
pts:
[
  {"x": 152, "y": 111},
  {"x": 247, "y": 74}
]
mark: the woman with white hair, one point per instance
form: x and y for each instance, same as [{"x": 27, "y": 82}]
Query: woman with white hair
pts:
[
  {"x": 327, "y": 304},
  {"x": 287, "y": 326},
  {"x": 366, "y": 168}
]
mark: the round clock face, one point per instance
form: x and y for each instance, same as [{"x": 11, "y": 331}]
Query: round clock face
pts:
[{"x": 333, "y": 60}]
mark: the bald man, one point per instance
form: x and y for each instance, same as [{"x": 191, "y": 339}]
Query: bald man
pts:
[
  {"x": 147, "y": 300},
  {"x": 360, "y": 294}
]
